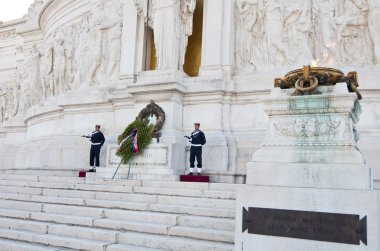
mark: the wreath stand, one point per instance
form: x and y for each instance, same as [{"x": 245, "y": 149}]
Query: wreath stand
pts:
[{"x": 129, "y": 168}]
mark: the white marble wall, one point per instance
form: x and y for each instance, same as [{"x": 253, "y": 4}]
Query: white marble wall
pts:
[{"x": 69, "y": 64}]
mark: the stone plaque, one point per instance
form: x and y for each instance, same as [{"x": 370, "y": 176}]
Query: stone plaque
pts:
[
  {"x": 155, "y": 155},
  {"x": 331, "y": 227}
]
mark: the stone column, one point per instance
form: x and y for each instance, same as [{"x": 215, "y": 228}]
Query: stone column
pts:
[
  {"x": 132, "y": 51},
  {"x": 218, "y": 38}
]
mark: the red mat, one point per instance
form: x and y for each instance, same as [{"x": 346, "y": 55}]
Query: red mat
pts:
[
  {"x": 194, "y": 178},
  {"x": 82, "y": 174}
]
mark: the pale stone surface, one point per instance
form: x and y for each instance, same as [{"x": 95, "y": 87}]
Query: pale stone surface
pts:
[
  {"x": 55, "y": 84},
  {"x": 309, "y": 161},
  {"x": 76, "y": 222},
  {"x": 363, "y": 203}
]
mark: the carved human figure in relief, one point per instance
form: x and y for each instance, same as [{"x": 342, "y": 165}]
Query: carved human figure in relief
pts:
[
  {"x": 59, "y": 66},
  {"x": 16, "y": 98},
  {"x": 374, "y": 27},
  {"x": 171, "y": 21},
  {"x": 70, "y": 55},
  {"x": 277, "y": 49},
  {"x": 297, "y": 30},
  {"x": 111, "y": 27},
  {"x": 251, "y": 44},
  {"x": 96, "y": 36},
  {"x": 32, "y": 63},
  {"x": 324, "y": 15},
  {"x": 47, "y": 69},
  {"x": 82, "y": 56},
  {"x": 355, "y": 45},
  {"x": 25, "y": 100},
  {"x": 3, "y": 104}
]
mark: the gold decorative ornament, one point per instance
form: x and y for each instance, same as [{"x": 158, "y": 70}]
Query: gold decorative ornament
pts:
[{"x": 307, "y": 79}]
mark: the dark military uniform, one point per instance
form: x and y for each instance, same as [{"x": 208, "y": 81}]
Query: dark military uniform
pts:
[
  {"x": 197, "y": 140},
  {"x": 97, "y": 139}
]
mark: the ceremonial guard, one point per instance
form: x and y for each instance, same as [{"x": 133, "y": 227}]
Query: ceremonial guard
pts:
[
  {"x": 197, "y": 140},
  {"x": 97, "y": 140}
]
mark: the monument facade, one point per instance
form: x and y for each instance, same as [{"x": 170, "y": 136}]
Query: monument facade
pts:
[{"x": 69, "y": 64}]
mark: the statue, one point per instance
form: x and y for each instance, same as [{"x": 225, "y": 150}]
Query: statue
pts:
[{"x": 171, "y": 21}]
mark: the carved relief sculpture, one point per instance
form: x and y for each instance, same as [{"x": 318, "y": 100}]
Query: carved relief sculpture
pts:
[{"x": 328, "y": 32}]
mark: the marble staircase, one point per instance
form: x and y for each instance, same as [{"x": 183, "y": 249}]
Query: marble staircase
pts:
[{"x": 70, "y": 213}]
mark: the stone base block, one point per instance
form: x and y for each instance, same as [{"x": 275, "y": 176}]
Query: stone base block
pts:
[{"x": 352, "y": 202}]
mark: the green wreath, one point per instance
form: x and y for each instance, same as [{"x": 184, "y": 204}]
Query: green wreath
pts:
[{"x": 144, "y": 136}]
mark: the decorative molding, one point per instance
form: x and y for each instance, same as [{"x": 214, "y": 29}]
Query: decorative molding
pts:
[{"x": 307, "y": 127}]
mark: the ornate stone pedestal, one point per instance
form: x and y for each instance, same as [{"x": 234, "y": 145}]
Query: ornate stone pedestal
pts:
[{"x": 309, "y": 162}]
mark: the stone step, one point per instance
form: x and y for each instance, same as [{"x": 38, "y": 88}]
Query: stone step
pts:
[
  {"x": 42, "y": 199},
  {"x": 199, "y": 211},
  {"x": 18, "y": 235},
  {"x": 113, "y": 204},
  {"x": 10, "y": 201},
  {"x": 23, "y": 180},
  {"x": 18, "y": 177},
  {"x": 12, "y": 204},
  {"x": 203, "y": 234},
  {"x": 141, "y": 176},
  {"x": 195, "y": 202},
  {"x": 74, "y": 210},
  {"x": 190, "y": 191},
  {"x": 24, "y": 225},
  {"x": 53, "y": 240},
  {"x": 70, "y": 186},
  {"x": 150, "y": 217},
  {"x": 207, "y": 223},
  {"x": 68, "y": 242},
  {"x": 124, "y": 247},
  {"x": 15, "y": 214},
  {"x": 185, "y": 192},
  {"x": 21, "y": 190},
  {"x": 142, "y": 227},
  {"x": 103, "y": 214},
  {"x": 134, "y": 170},
  {"x": 172, "y": 243},
  {"x": 89, "y": 233},
  {"x": 148, "y": 198},
  {"x": 13, "y": 245},
  {"x": 62, "y": 219},
  {"x": 191, "y": 185},
  {"x": 118, "y": 224}
]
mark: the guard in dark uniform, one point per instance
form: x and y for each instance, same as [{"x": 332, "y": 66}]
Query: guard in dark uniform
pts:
[
  {"x": 197, "y": 140},
  {"x": 97, "y": 140}
]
